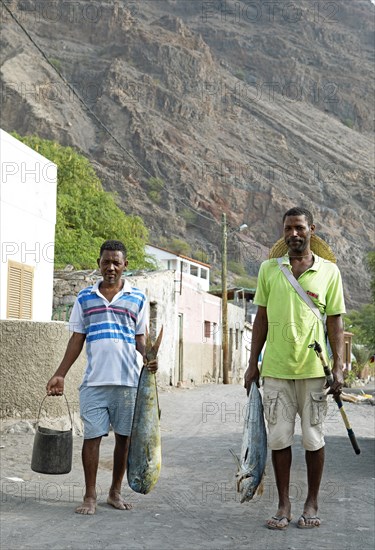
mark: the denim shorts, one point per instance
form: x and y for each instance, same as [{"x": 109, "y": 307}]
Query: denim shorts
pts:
[
  {"x": 283, "y": 400},
  {"x": 105, "y": 406}
]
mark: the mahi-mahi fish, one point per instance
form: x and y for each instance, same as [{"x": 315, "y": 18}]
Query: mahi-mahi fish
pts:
[
  {"x": 251, "y": 465},
  {"x": 144, "y": 457}
]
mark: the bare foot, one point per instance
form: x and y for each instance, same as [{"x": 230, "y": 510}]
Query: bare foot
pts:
[
  {"x": 115, "y": 499},
  {"x": 88, "y": 507}
]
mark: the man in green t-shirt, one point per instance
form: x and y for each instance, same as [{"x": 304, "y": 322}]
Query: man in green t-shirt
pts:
[{"x": 293, "y": 375}]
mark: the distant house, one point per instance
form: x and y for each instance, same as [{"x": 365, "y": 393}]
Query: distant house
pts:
[
  {"x": 27, "y": 231},
  {"x": 199, "y": 271}
]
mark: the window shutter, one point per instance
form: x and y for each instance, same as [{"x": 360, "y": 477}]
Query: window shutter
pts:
[
  {"x": 20, "y": 291},
  {"x": 14, "y": 291},
  {"x": 27, "y": 292}
]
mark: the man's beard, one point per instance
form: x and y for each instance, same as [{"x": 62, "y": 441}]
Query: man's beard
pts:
[{"x": 297, "y": 245}]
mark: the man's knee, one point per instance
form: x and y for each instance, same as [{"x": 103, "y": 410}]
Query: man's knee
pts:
[
  {"x": 92, "y": 443},
  {"x": 312, "y": 437},
  {"x": 280, "y": 443},
  {"x": 312, "y": 446},
  {"x": 122, "y": 439}
]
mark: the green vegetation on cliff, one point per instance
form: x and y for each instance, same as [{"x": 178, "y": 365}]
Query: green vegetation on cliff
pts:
[
  {"x": 362, "y": 322},
  {"x": 86, "y": 214}
]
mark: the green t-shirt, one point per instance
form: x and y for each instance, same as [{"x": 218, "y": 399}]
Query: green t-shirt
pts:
[{"x": 292, "y": 326}]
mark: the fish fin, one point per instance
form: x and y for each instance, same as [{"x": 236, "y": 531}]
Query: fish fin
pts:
[
  {"x": 236, "y": 458},
  {"x": 159, "y": 410},
  {"x": 260, "y": 490},
  {"x": 156, "y": 345},
  {"x": 148, "y": 341},
  {"x": 153, "y": 348}
]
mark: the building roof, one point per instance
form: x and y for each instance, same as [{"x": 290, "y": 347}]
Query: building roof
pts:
[
  {"x": 248, "y": 293},
  {"x": 179, "y": 255}
]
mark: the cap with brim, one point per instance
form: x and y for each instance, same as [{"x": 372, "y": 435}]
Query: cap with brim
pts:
[{"x": 317, "y": 245}]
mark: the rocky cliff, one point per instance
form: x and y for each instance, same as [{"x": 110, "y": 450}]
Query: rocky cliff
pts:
[{"x": 240, "y": 107}]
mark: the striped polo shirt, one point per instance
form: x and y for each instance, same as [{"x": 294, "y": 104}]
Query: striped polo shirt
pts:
[{"x": 110, "y": 329}]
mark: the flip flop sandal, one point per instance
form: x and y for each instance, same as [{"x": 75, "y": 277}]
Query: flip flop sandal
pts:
[
  {"x": 279, "y": 519},
  {"x": 308, "y": 525}
]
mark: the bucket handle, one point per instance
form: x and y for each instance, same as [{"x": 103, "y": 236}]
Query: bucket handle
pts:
[{"x": 67, "y": 404}]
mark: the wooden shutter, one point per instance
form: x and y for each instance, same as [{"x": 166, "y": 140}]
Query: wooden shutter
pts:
[{"x": 20, "y": 291}]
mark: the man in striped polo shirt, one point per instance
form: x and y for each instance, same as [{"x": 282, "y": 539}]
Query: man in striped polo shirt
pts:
[{"x": 111, "y": 316}]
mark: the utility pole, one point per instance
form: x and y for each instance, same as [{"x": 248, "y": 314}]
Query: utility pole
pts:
[
  {"x": 224, "y": 299},
  {"x": 224, "y": 295}
]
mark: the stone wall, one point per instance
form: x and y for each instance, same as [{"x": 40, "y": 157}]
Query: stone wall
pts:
[{"x": 67, "y": 283}]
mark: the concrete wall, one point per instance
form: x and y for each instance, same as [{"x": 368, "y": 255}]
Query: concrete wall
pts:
[
  {"x": 203, "y": 358},
  {"x": 30, "y": 352},
  {"x": 160, "y": 290},
  {"x": 200, "y": 362},
  {"x": 27, "y": 220},
  {"x": 237, "y": 342}
]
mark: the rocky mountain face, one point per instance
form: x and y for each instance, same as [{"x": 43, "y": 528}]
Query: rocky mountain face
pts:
[{"x": 243, "y": 107}]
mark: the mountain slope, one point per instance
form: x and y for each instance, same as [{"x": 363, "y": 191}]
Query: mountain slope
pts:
[{"x": 238, "y": 107}]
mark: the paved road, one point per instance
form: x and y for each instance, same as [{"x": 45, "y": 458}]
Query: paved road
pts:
[{"x": 194, "y": 505}]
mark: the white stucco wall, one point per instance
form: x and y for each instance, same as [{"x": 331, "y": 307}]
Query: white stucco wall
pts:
[
  {"x": 27, "y": 220},
  {"x": 160, "y": 289}
]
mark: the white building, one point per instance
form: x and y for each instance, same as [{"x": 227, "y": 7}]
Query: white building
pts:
[
  {"x": 166, "y": 259},
  {"x": 27, "y": 231}
]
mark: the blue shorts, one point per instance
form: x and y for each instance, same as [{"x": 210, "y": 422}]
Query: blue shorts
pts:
[{"x": 105, "y": 406}]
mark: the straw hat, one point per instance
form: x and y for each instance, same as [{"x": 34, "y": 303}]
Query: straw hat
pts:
[{"x": 317, "y": 245}]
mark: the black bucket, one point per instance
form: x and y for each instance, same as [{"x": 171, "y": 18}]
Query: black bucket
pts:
[{"x": 52, "y": 449}]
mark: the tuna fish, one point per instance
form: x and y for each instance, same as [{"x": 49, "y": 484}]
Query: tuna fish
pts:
[
  {"x": 144, "y": 457},
  {"x": 251, "y": 466}
]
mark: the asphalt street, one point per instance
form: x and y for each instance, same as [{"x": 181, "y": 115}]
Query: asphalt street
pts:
[{"x": 194, "y": 504}]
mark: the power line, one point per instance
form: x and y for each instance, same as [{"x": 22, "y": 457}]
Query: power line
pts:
[
  {"x": 196, "y": 212},
  {"x": 91, "y": 112},
  {"x": 104, "y": 127},
  {"x": 74, "y": 91}
]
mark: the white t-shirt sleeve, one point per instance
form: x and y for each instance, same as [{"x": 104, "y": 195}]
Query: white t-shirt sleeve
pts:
[
  {"x": 76, "y": 323},
  {"x": 142, "y": 320}
]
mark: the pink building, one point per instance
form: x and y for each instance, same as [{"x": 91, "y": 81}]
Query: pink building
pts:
[{"x": 198, "y": 323}]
